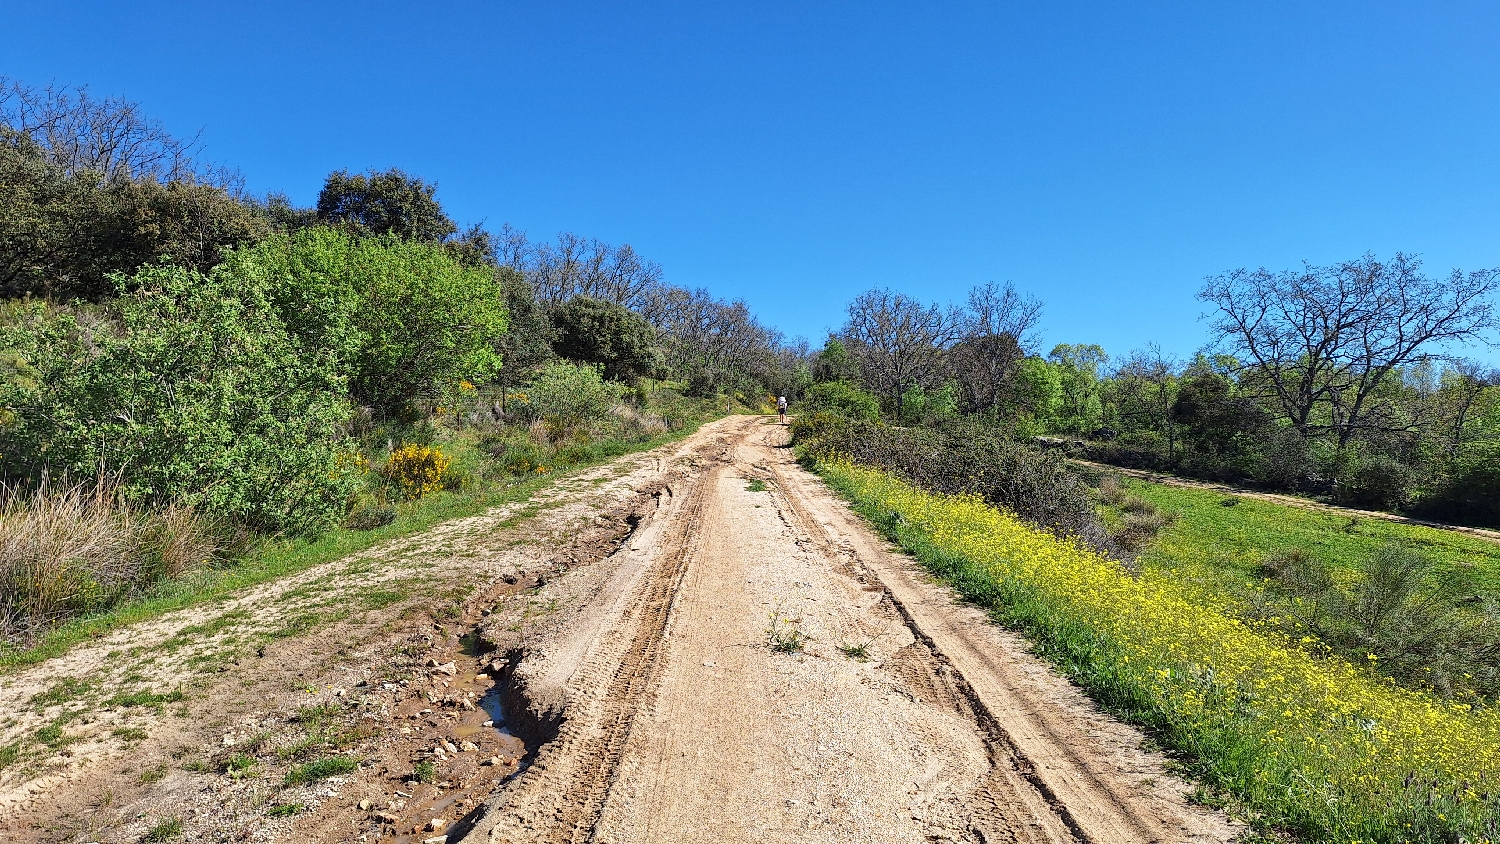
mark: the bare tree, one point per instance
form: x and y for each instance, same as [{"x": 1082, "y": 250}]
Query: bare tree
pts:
[
  {"x": 110, "y": 136},
  {"x": 998, "y": 331},
  {"x": 898, "y": 342},
  {"x": 1322, "y": 341},
  {"x": 575, "y": 266}
]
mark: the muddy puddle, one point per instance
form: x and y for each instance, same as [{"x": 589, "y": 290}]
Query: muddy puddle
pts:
[{"x": 463, "y": 750}]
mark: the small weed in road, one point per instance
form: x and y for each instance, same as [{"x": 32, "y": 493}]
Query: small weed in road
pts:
[
  {"x": 783, "y": 636},
  {"x": 66, "y": 690},
  {"x": 755, "y": 485},
  {"x": 164, "y": 831},
  {"x": 151, "y": 775},
  {"x": 8, "y": 755},
  {"x": 130, "y": 733},
  {"x": 240, "y": 765},
  {"x": 859, "y": 652},
  {"x": 321, "y": 769},
  {"x": 424, "y": 772},
  {"x": 145, "y": 698},
  {"x": 284, "y": 810}
]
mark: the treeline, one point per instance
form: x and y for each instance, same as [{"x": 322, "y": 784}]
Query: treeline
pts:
[{"x": 1344, "y": 381}]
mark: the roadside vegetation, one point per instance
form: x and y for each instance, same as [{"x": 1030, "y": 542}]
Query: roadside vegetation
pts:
[
  {"x": 1332, "y": 677},
  {"x": 200, "y": 389},
  {"x": 1320, "y": 746}
]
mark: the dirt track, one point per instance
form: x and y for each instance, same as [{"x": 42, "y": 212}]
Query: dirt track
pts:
[{"x": 626, "y": 625}]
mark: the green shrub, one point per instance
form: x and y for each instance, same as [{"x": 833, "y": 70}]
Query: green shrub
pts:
[
  {"x": 1469, "y": 492},
  {"x": 844, "y": 399},
  {"x": 188, "y": 389},
  {"x": 521, "y": 457},
  {"x": 965, "y": 457},
  {"x": 615, "y": 338},
  {"x": 566, "y": 396},
  {"x": 402, "y": 320},
  {"x": 1376, "y": 482},
  {"x": 371, "y": 516}
]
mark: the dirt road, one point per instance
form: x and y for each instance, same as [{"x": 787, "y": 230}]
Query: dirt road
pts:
[{"x": 699, "y": 644}]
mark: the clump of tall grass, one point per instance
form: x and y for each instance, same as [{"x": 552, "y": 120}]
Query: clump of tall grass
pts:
[
  {"x": 70, "y": 550},
  {"x": 1139, "y": 520}
]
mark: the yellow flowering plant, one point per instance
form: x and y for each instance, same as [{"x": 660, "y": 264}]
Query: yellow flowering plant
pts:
[
  {"x": 416, "y": 470},
  {"x": 1311, "y": 744}
]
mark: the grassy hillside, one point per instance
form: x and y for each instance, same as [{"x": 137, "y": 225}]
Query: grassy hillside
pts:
[{"x": 1217, "y": 536}]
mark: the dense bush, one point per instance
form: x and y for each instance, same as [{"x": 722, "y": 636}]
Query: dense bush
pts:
[
  {"x": 564, "y": 396},
  {"x": 64, "y": 234},
  {"x": 965, "y": 457},
  {"x": 842, "y": 399},
  {"x": 402, "y": 320},
  {"x": 609, "y": 335},
  {"x": 1470, "y": 491},
  {"x": 188, "y": 389},
  {"x": 1414, "y": 621}
]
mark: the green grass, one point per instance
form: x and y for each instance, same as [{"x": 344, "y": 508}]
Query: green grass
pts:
[
  {"x": 321, "y": 769},
  {"x": 1219, "y": 546},
  {"x": 8, "y": 755},
  {"x": 284, "y": 810},
  {"x": 756, "y": 485},
  {"x": 64, "y": 691},
  {"x": 277, "y": 558},
  {"x": 164, "y": 831},
  {"x": 145, "y": 698}
]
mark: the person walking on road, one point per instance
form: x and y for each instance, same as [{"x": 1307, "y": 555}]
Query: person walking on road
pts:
[{"x": 781, "y": 408}]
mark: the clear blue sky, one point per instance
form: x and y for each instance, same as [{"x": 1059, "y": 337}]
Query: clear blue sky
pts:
[{"x": 1102, "y": 156}]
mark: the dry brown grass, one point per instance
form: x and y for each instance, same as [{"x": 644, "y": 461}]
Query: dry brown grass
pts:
[{"x": 67, "y": 551}]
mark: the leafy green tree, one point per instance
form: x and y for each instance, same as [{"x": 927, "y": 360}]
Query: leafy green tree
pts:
[
  {"x": 402, "y": 319},
  {"x": 1078, "y": 367},
  {"x": 1038, "y": 392},
  {"x": 391, "y": 202},
  {"x": 66, "y": 233},
  {"x": 834, "y": 363},
  {"x": 603, "y": 333},
  {"x": 190, "y": 389}
]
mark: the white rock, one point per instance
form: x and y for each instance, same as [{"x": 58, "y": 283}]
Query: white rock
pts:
[
  {"x": 468, "y": 747},
  {"x": 448, "y": 668},
  {"x": 436, "y": 824}
]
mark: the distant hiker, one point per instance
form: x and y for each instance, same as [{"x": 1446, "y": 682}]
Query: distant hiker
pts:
[{"x": 781, "y": 408}]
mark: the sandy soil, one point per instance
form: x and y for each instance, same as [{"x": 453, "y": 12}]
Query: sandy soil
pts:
[{"x": 694, "y": 644}]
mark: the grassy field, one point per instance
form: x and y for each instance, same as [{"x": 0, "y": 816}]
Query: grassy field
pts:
[
  {"x": 1318, "y": 747},
  {"x": 1214, "y": 543}
]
